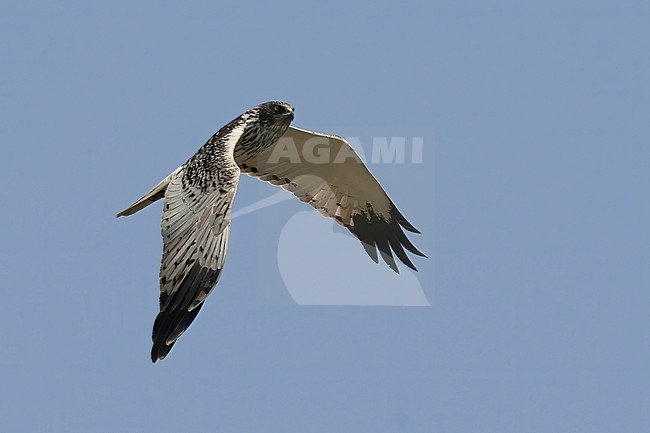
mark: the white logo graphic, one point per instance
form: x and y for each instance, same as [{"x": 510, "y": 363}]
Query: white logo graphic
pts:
[{"x": 340, "y": 272}]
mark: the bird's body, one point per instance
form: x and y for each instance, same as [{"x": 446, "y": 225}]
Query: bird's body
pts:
[{"x": 198, "y": 200}]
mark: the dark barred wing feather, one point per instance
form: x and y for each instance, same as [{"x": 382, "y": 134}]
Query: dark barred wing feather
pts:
[{"x": 195, "y": 229}]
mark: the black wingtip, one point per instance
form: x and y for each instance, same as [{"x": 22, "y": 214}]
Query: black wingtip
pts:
[
  {"x": 407, "y": 225},
  {"x": 399, "y": 252},
  {"x": 168, "y": 326},
  {"x": 404, "y": 240},
  {"x": 386, "y": 236},
  {"x": 418, "y": 253},
  {"x": 401, "y": 219},
  {"x": 410, "y": 228},
  {"x": 159, "y": 351}
]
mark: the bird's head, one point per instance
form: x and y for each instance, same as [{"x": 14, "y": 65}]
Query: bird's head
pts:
[{"x": 275, "y": 112}]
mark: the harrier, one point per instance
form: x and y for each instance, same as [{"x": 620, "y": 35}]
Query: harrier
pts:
[{"x": 198, "y": 200}]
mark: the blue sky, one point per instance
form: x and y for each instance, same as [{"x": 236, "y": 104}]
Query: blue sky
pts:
[{"x": 532, "y": 200}]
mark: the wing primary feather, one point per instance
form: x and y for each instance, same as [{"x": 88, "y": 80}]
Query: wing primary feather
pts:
[
  {"x": 399, "y": 251},
  {"x": 408, "y": 245},
  {"x": 160, "y": 347},
  {"x": 384, "y": 249},
  {"x": 397, "y": 215},
  {"x": 371, "y": 249}
]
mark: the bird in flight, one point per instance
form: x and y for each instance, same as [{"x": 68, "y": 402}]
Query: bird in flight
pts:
[{"x": 198, "y": 200}]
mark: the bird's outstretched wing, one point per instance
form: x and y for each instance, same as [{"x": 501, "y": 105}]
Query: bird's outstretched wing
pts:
[
  {"x": 195, "y": 228},
  {"x": 324, "y": 171}
]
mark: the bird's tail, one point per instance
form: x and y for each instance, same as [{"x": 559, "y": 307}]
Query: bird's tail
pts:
[{"x": 156, "y": 193}]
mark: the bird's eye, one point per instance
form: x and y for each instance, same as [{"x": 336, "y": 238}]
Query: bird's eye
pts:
[{"x": 277, "y": 108}]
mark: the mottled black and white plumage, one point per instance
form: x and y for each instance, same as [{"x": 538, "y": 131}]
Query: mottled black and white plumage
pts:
[{"x": 198, "y": 200}]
